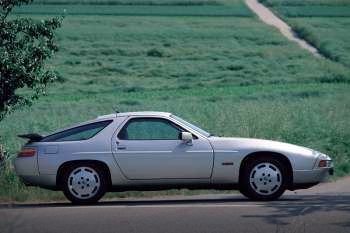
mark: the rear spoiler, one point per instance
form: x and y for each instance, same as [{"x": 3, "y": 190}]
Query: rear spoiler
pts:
[{"x": 33, "y": 137}]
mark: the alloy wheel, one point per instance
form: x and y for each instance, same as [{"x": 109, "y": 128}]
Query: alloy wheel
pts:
[
  {"x": 265, "y": 178},
  {"x": 83, "y": 182}
]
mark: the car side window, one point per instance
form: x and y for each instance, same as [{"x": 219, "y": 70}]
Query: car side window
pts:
[
  {"x": 83, "y": 132},
  {"x": 150, "y": 129}
]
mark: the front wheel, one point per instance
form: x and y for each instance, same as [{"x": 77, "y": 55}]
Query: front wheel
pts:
[
  {"x": 264, "y": 179},
  {"x": 84, "y": 183}
]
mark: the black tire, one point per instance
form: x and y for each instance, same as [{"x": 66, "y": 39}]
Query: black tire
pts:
[
  {"x": 97, "y": 177},
  {"x": 252, "y": 182}
]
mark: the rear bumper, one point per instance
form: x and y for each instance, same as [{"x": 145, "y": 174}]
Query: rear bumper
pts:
[
  {"x": 27, "y": 170},
  {"x": 26, "y": 166},
  {"x": 44, "y": 181}
]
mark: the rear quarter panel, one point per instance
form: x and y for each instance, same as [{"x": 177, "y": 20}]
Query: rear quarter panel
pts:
[{"x": 52, "y": 155}]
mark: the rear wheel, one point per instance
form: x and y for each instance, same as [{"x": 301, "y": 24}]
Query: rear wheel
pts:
[
  {"x": 264, "y": 179},
  {"x": 84, "y": 183}
]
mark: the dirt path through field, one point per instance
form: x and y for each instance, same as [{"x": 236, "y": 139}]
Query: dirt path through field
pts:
[{"x": 271, "y": 19}]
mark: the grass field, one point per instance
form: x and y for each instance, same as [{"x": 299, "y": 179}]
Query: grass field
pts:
[
  {"x": 137, "y": 10},
  {"x": 315, "y": 11},
  {"x": 233, "y": 75},
  {"x": 134, "y": 2},
  {"x": 303, "y": 2},
  {"x": 324, "y": 23}
]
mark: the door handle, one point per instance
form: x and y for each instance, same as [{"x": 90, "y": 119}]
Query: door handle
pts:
[{"x": 120, "y": 147}]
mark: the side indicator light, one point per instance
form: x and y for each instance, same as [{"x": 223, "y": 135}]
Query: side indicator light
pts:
[{"x": 325, "y": 163}]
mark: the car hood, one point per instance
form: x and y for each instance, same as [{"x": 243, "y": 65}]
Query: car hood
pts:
[{"x": 250, "y": 145}]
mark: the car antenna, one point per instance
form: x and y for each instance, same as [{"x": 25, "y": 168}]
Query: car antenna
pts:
[{"x": 116, "y": 110}]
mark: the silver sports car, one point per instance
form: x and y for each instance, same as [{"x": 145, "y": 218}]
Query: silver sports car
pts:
[{"x": 158, "y": 150}]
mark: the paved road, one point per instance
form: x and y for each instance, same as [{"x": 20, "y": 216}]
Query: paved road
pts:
[{"x": 206, "y": 213}]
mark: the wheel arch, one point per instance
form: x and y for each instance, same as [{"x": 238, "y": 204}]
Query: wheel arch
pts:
[
  {"x": 269, "y": 154},
  {"x": 64, "y": 166}
]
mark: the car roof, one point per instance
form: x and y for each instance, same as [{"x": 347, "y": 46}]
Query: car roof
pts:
[{"x": 144, "y": 113}]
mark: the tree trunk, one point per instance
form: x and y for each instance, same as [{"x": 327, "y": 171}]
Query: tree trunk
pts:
[{"x": 2, "y": 153}]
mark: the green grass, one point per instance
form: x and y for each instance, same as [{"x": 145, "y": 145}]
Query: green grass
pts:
[
  {"x": 234, "y": 76},
  {"x": 314, "y": 11},
  {"x": 330, "y": 36},
  {"x": 137, "y": 10},
  {"x": 305, "y": 2},
  {"x": 323, "y": 23},
  {"x": 132, "y": 2}
]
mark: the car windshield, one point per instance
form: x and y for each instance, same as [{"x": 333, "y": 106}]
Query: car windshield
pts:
[{"x": 195, "y": 128}]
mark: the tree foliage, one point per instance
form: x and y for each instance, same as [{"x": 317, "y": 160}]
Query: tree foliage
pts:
[{"x": 25, "y": 45}]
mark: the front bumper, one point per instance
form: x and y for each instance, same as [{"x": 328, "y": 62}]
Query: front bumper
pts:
[
  {"x": 312, "y": 176},
  {"x": 322, "y": 169},
  {"x": 331, "y": 171},
  {"x": 307, "y": 179}
]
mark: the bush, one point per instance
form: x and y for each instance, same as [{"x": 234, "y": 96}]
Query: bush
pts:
[{"x": 154, "y": 53}]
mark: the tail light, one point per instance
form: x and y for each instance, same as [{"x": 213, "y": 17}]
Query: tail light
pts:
[{"x": 26, "y": 152}]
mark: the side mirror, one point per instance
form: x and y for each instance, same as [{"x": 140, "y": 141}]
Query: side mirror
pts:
[{"x": 186, "y": 137}]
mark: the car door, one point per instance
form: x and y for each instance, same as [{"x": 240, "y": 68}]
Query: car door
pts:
[{"x": 150, "y": 148}]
